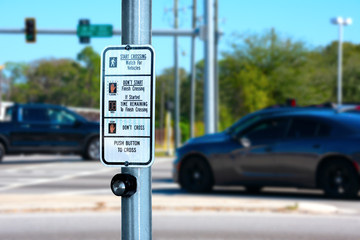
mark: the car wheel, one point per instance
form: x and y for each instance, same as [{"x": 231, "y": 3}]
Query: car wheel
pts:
[
  {"x": 2, "y": 152},
  {"x": 92, "y": 150},
  {"x": 339, "y": 179},
  {"x": 196, "y": 175}
]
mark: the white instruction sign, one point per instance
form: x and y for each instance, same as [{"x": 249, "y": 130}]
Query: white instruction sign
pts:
[{"x": 127, "y": 106}]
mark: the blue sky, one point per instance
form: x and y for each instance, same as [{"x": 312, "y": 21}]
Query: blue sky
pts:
[{"x": 302, "y": 20}]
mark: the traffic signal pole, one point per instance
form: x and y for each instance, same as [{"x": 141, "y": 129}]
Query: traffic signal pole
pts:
[
  {"x": 193, "y": 74},
  {"x": 136, "y": 211},
  {"x": 155, "y": 32},
  {"x": 176, "y": 79},
  {"x": 209, "y": 88}
]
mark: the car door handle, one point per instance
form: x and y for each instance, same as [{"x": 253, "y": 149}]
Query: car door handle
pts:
[
  {"x": 25, "y": 125},
  {"x": 316, "y": 146},
  {"x": 55, "y": 126}
]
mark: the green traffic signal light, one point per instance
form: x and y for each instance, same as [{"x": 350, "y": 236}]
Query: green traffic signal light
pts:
[{"x": 30, "y": 30}]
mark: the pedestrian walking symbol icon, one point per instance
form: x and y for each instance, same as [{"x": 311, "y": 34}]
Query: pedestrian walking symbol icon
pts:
[{"x": 113, "y": 62}]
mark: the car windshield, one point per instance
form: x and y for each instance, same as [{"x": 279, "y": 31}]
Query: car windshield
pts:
[{"x": 76, "y": 115}]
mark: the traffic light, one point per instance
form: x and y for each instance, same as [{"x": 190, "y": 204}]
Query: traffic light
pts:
[
  {"x": 82, "y": 24},
  {"x": 30, "y": 30}
]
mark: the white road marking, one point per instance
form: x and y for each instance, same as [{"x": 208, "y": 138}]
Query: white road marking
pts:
[
  {"x": 55, "y": 179},
  {"x": 10, "y": 180},
  {"x": 84, "y": 192},
  {"x": 27, "y": 168}
]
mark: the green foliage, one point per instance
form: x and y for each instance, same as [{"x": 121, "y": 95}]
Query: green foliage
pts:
[
  {"x": 185, "y": 131},
  {"x": 165, "y": 91},
  {"x": 267, "y": 69},
  {"x": 58, "y": 81},
  {"x": 91, "y": 75},
  {"x": 260, "y": 70}
]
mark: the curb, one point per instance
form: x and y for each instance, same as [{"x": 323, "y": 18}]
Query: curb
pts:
[{"x": 99, "y": 203}]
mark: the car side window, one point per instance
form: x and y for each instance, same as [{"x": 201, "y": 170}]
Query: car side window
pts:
[
  {"x": 245, "y": 123},
  {"x": 267, "y": 130},
  {"x": 8, "y": 114},
  {"x": 323, "y": 130},
  {"x": 34, "y": 115},
  {"x": 302, "y": 128},
  {"x": 60, "y": 116},
  {"x": 307, "y": 128}
]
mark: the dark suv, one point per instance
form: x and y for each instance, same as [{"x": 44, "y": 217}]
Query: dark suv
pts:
[
  {"x": 45, "y": 128},
  {"x": 277, "y": 147}
]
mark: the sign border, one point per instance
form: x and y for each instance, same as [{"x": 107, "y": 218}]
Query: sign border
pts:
[{"x": 152, "y": 101}]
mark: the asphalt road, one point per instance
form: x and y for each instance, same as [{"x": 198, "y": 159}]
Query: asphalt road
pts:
[
  {"x": 178, "y": 225},
  {"x": 69, "y": 175}
]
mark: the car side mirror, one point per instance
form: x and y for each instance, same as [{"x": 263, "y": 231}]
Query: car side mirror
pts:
[{"x": 245, "y": 142}]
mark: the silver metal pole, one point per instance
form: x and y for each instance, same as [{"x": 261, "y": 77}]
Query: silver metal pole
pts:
[
  {"x": 169, "y": 132},
  {"x": 216, "y": 68},
  {"x": 177, "y": 80},
  {"x": 161, "y": 115},
  {"x": 209, "y": 94},
  {"x": 1, "y": 93},
  {"x": 339, "y": 80},
  {"x": 136, "y": 211},
  {"x": 193, "y": 75}
]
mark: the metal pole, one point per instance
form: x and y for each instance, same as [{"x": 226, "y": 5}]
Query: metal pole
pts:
[
  {"x": 169, "y": 132},
  {"x": 339, "y": 80},
  {"x": 216, "y": 68},
  {"x": 193, "y": 75},
  {"x": 136, "y": 211},
  {"x": 177, "y": 81},
  {"x": 161, "y": 115},
  {"x": 1, "y": 92},
  {"x": 209, "y": 93}
]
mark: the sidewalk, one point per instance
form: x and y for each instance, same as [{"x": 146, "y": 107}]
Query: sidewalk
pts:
[{"x": 52, "y": 203}]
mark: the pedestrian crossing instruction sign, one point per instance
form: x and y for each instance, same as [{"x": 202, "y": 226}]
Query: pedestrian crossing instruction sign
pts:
[{"x": 127, "y": 107}]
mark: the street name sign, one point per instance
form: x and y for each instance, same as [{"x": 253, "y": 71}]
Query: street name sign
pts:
[
  {"x": 95, "y": 30},
  {"x": 127, "y": 113}
]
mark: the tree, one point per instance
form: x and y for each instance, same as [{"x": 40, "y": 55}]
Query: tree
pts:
[
  {"x": 351, "y": 72},
  {"x": 165, "y": 93},
  {"x": 17, "y": 77},
  {"x": 50, "y": 81},
  {"x": 91, "y": 75},
  {"x": 263, "y": 70},
  {"x": 58, "y": 81}
]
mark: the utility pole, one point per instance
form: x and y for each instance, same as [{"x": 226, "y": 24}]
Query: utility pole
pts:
[
  {"x": 1, "y": 91},
  {"x": 341, "y": 22},
  {"x": 162, "y": 107},
  {"x": 209, "y": 91},
  {"x": 136, "y": 211},
  {"x": 193, "y": 75},
  {"x": 177, "y": 81},
  {"x": 216, "y": 69}
]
